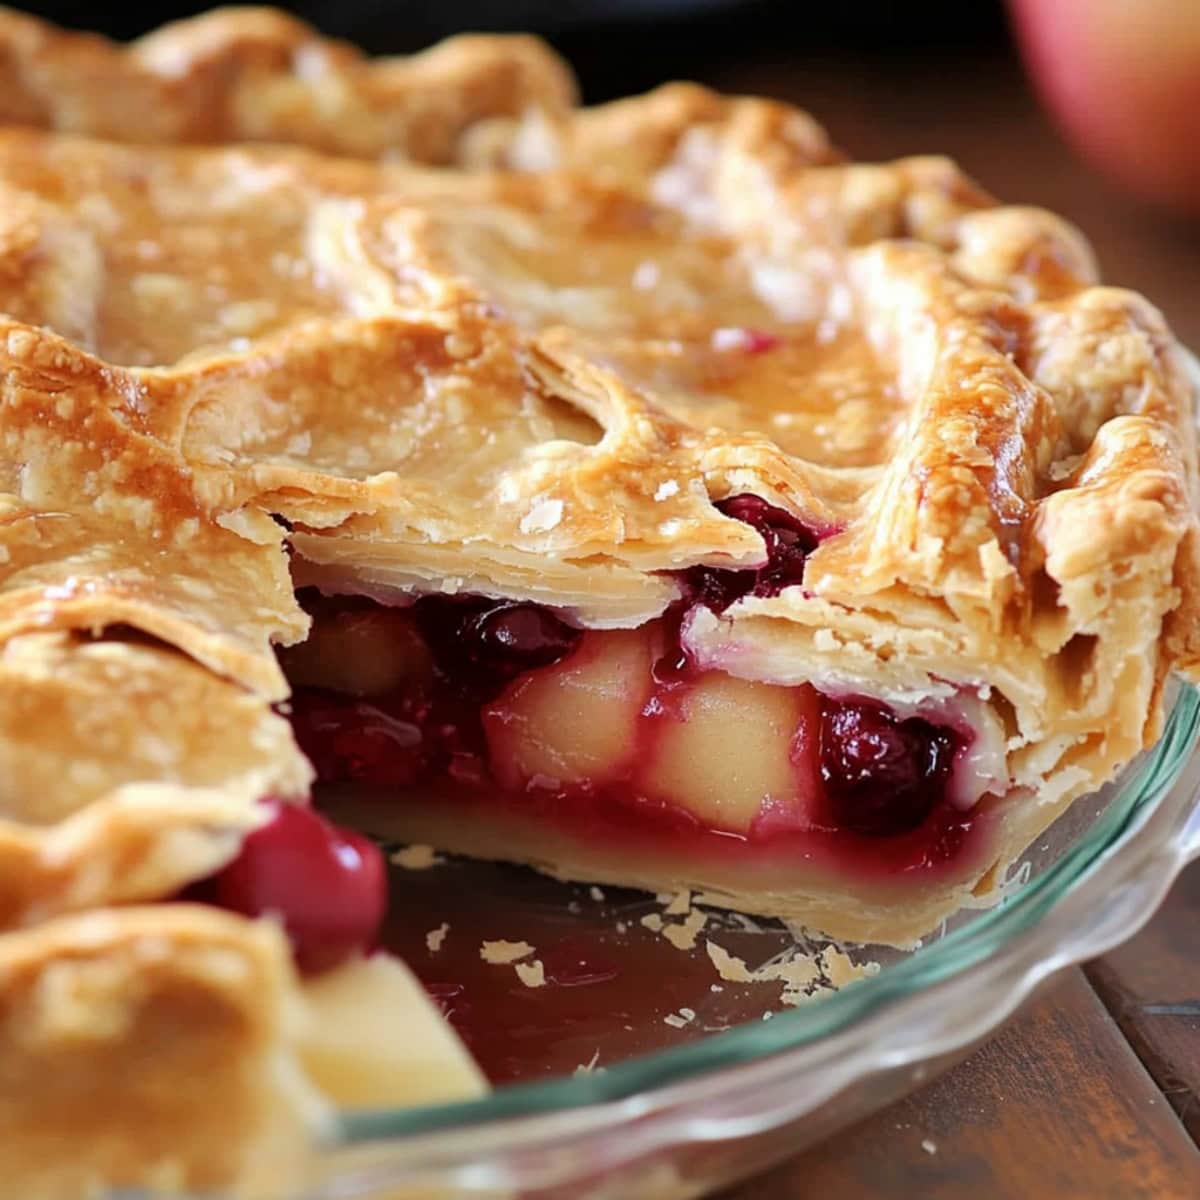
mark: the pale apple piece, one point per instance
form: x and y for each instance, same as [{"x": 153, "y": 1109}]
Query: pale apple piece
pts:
[
  {"x": 372, "y": 1038},
  {"x": 360, "y": 653},
  {"x": 577, "y": 719},
  {"x": 736, "y": 747}
]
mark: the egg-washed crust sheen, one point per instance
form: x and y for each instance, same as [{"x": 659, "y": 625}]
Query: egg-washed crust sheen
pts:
[
  {"x": 524, "y": 355},
  {"x": 127, "y": 771}
]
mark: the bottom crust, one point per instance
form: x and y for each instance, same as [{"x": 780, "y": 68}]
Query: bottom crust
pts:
[{"x": 886, "y": 909}]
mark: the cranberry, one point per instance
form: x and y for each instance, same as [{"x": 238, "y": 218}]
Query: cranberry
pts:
[
  {"x": 481, "y": 645},
  {"x": 882, "y": 776},
  {"x": 357, "y": 740},
  {"x": 327, "y": 885},
  {"x": 519, "y": 637},
  {"x": 789, "y": 542}
]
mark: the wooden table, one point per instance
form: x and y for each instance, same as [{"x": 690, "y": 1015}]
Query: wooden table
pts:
[{"x": 1094, "y": 1093}]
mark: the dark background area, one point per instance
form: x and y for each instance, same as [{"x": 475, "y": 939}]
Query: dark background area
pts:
[{"x": 620, "y": 46}]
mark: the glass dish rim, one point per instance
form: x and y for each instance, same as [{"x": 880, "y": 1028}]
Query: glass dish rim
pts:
[{"x": 1146, "y": 782}]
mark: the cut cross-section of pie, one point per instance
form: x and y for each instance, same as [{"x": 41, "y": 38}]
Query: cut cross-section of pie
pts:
[{"x": 644, "y": 494}]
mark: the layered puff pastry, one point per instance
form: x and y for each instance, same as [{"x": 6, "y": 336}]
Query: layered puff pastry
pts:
[{"x": 640, "y": 492}]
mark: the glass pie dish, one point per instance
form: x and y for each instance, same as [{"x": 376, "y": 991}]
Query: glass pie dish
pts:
[{"x": 666, "y": 1108}]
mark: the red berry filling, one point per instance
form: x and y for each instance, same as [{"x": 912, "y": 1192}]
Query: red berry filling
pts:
[
  {"x": 882, "y": 776},
  {"x": 327, "y": 885},
  {"x": 616, "y": 734},
  {"x": 480, "y": 645},
  {"x": 789, "y": 542}
]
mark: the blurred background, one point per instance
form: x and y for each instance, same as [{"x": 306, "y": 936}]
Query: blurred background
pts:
[
  {"x": 629, "y": 34},
  {"x": 1090, "y": 107}
]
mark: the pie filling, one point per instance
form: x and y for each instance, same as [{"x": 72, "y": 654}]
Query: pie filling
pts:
[
  {"x": 613, "y": 737},
  {"x": 326, "y": 884},
  {"x": 618, "y": 736}
]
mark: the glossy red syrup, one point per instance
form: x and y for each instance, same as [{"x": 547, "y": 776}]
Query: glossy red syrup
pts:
[
  {"x": 327, "y": 885},
  {"x": 883, "y": 808},
  {"x": 789, "y": 542},
  {"x": 610, "y": 981},
  {"x": 433, "y": 729}
]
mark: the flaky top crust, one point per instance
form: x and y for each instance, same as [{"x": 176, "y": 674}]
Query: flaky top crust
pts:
[
  {"x": 152, "y": 1048},
  {"x": 258, "y": 74},
  {"x": 538, "y": 386},
  {"x": 129, "y": 771}
]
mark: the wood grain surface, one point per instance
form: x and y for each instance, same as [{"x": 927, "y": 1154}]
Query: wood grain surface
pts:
[
  {"x": 1094, "y": 1093},
  {"x": 1152, "y": 988},
  {"x": 1058, "y": 1105}
]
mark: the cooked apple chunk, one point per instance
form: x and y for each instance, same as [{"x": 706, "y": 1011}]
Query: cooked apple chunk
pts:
[
  {"x": 576, "y": 720},
  {"x": 361, "y": 652},
  {"x": 727, "y": 747}
]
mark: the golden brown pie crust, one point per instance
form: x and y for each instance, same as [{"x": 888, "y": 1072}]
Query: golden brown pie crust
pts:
[
  {"x": 257, "y": 74},
  {"x": 530, "y": 373},
  {"x": 150, "y": 1046}
]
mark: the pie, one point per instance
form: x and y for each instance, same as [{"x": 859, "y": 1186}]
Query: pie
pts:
[{"x": 640, "y": 492}]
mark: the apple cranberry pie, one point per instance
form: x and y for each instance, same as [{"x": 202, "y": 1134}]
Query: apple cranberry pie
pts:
[{"x": 641, "y": 492}]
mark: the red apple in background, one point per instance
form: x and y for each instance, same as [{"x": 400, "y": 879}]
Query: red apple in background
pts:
[{"x": 1122, "y": 78}]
